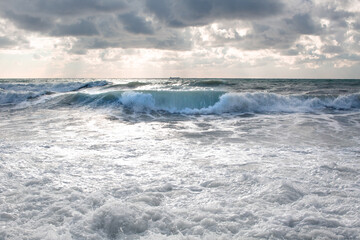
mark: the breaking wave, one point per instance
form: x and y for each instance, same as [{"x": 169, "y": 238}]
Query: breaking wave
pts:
[
  {"x": 170, "y": 101},
  {"x": 212, "y": 102},
  {"x": 268, "y": 102}
]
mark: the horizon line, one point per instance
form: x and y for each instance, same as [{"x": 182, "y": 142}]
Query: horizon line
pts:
[{"x": 175, "y": 78}]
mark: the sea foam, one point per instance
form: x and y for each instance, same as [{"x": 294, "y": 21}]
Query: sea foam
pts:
[{"x": 202, "y": 171}]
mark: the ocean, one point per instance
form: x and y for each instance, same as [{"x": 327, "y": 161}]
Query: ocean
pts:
[{"x": 179, "y": 159}]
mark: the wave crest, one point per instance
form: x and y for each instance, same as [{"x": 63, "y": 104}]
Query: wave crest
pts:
[
  {"x": 212, "y": 102},
  {"x": 269, "y": 102}
]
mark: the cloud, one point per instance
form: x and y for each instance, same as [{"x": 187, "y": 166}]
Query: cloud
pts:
[
  {"x": 173, "y": 40},
  {"x": 72, "y": 7},
  {"x": 303, "y": 24},
  {"x": 96, "y": 24},
  {"x": 305, "y": 31},
  {"x": 331, "y": 49},
  {"x": 201, "y": 12},
  {"x": 81, "y": 28},
  {"x": 28, "y": 22},
  {"x": 61, "y": 8},
  {"x": 6, "y": 42},
  {"x": 136, "y": 24},
  {"x": 356, "y": 26}
]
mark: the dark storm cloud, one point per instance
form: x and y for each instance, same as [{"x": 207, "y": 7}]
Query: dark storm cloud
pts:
[
  {"x": 60, "y": 17},
  {"x": 60, "y": 8},
  {"x": 247, "y": 8},
  {"x": 29, "y": 22},
  {"x": 169, "y": 40},
  {"x": 136, "y": 24},
  {"x": 70, "y": 7},
  {"x": 83, "y": 44},
  {"x": 356, "y": 25},
  {"x": 201, "y": 12},
  {"x": 104, "y": 23},
  {"x": 12, "y": 42},
  {"x": 174, "y": 41},
  {"x": 82, "y": 28},
  {"x": 303, "y": 24},
  {"x": 6, "y": 42}
]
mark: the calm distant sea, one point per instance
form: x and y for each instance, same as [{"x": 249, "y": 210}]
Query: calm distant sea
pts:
[{"x": 179, "y": 159}]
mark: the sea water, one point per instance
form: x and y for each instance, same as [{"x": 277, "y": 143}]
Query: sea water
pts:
[{"x": 179, "y": 159}]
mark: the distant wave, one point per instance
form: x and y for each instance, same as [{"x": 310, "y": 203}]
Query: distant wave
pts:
[
  {"x": 14, "y": 93},
  {"x": 128, "y": 85},
  {"x": 53, "y": 87},
  {"x": 212, "y": 102},
  {"x": 211, "y": 83},
  {"x": 18, "y": 97}
]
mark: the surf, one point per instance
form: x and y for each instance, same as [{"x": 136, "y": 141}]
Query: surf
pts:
[
  {"x": 212, "y": 102},
  {"x": 146, "y": 96}
]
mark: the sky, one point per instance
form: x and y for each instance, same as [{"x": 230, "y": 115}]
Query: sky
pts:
[{"x": 185, "y": 38}]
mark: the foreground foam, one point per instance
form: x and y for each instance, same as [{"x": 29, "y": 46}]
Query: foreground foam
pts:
[{"x": 70, "y": 172}]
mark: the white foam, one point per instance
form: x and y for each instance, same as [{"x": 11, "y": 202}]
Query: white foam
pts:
[{"x": 116, "y": 219}]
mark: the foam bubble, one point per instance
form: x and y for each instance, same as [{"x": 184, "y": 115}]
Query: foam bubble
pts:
[{"x": 116, "y": 219}]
